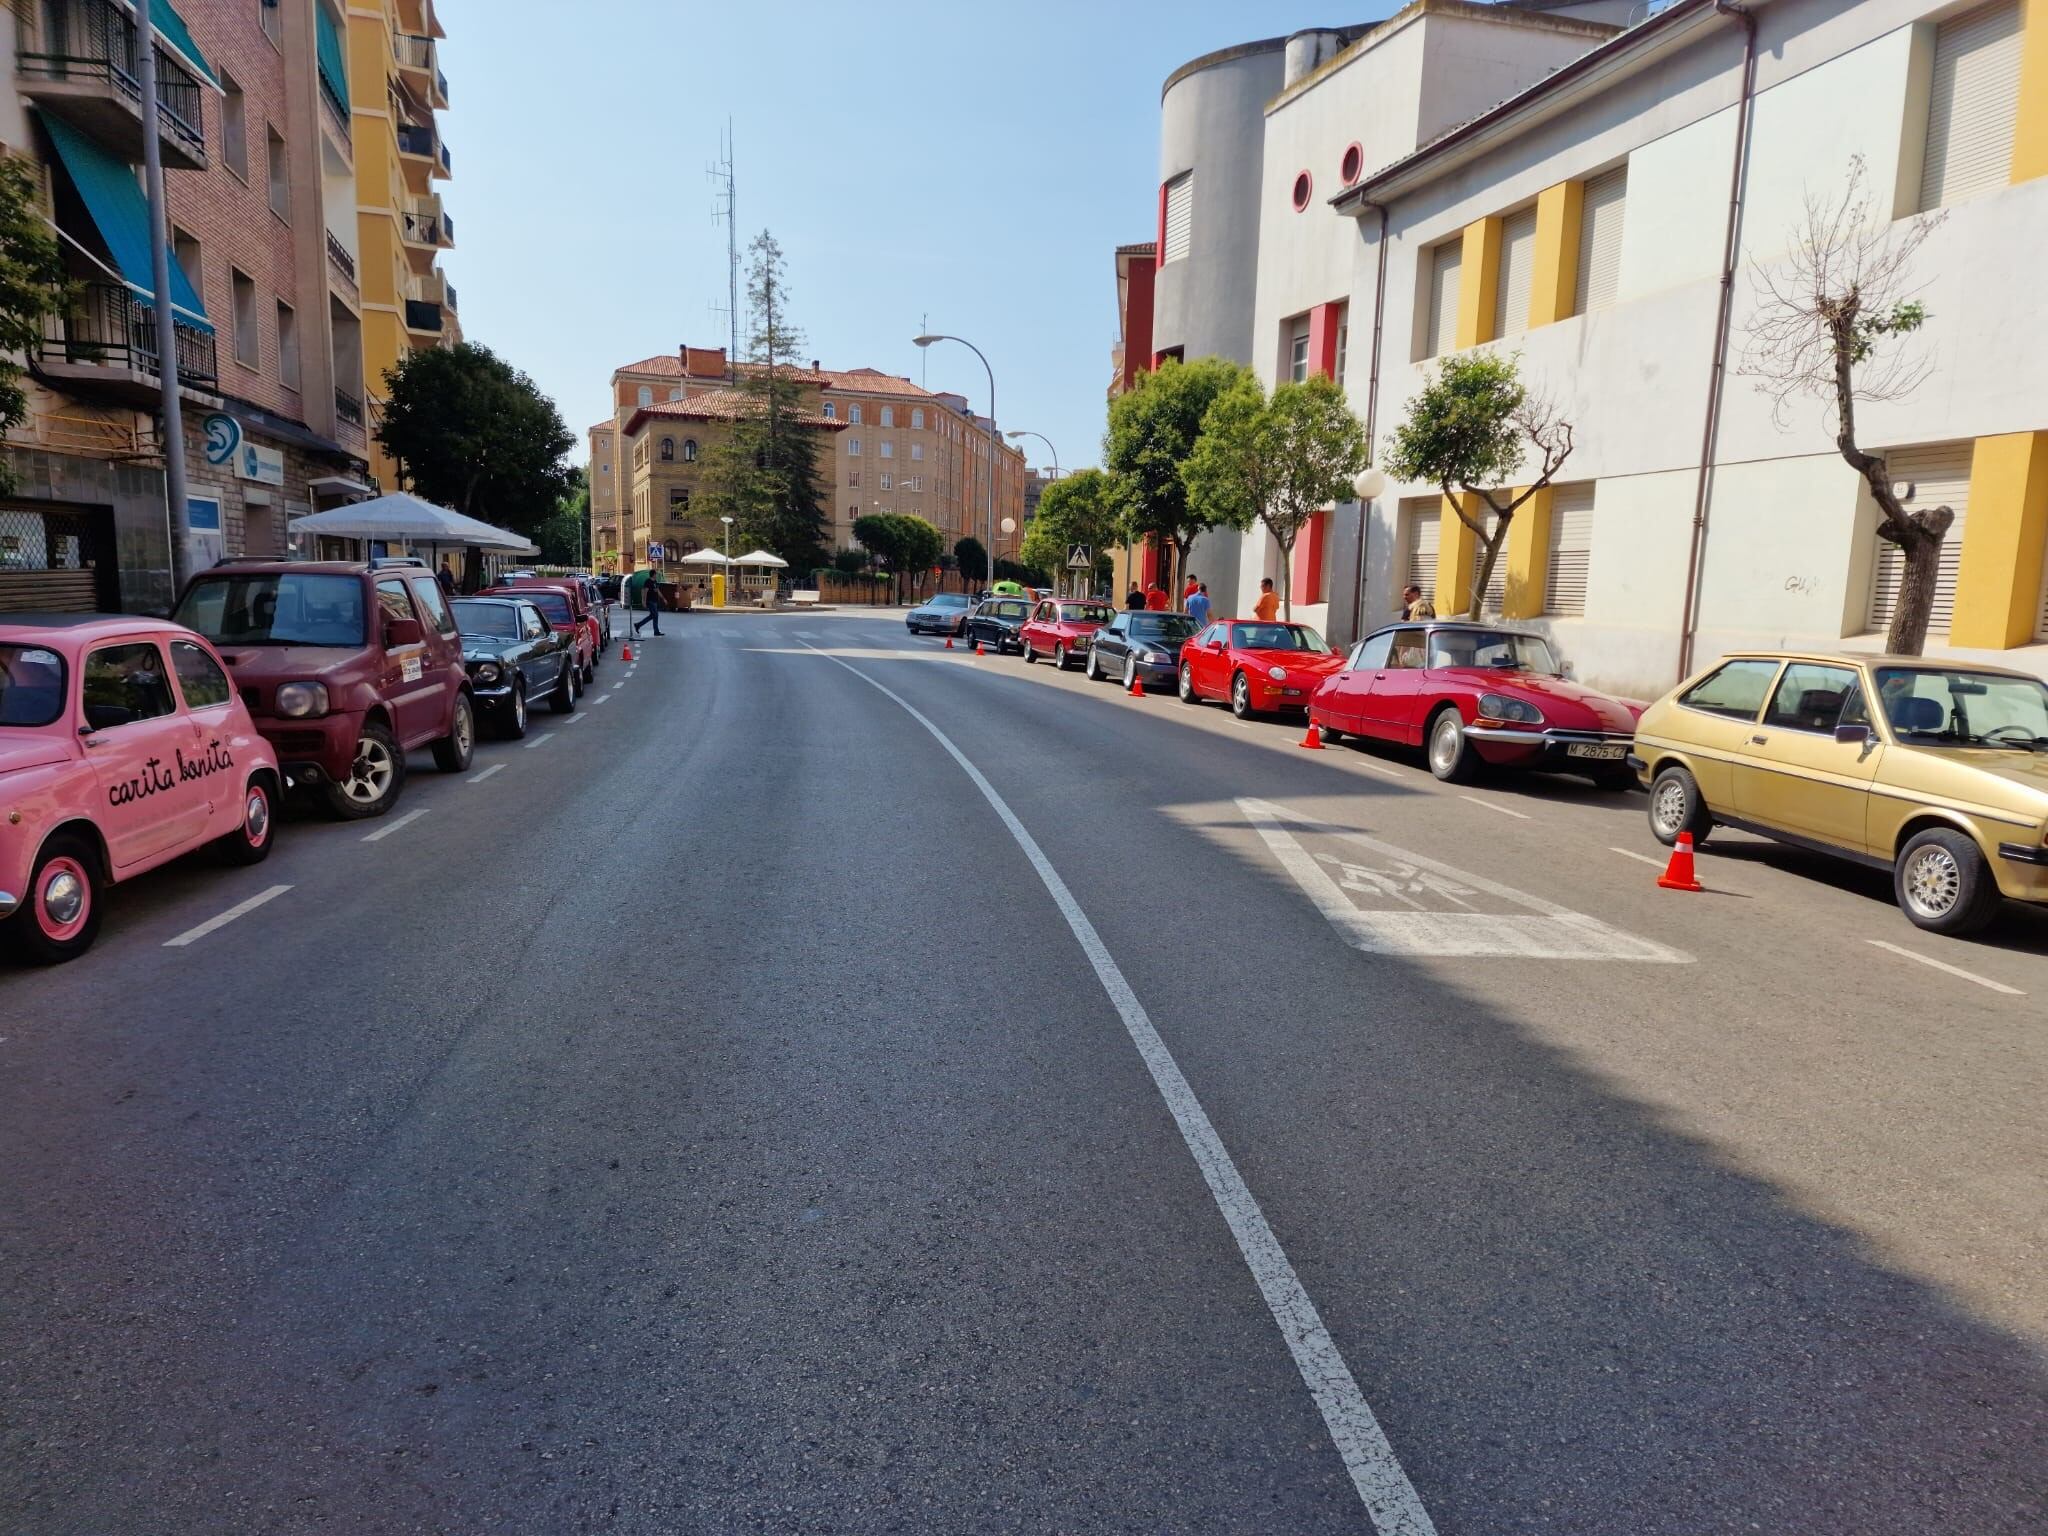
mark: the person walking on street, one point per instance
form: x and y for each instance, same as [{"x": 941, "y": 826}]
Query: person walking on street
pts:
[
  {"x": 1267, "y": 608},
  {"x": 654, "y": 601},
  {"x": 1414, "y": 605},
  {"x": 1197, "y": 604}
]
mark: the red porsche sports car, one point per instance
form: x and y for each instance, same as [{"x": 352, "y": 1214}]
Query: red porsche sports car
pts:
[
  {"x": 1476, "y": 693},
  {"x": 1257, "y": 667},
  {"x": 1061, "y": 630}
]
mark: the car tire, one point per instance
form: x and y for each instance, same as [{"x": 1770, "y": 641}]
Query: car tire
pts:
[
  {"x": 376, "y": 777},
  {"x": 1330, "y": 735},
  {"x": 1131, "y": 675},
  {"x": 1241, "y": 697},
  {"x": 1943, "y": 883},
  {"x": 1025, "y": 650},
  {"x": 513, "y": 726},
  {"x": 452, "y": 753},
  {"x": 1187, "y": 685},
  {"x": 1059, "y": 656},
  {"x": 1676, "y": 805},
  {"x": 564, "y": 701},
  {"x": 49, "y": 929},
  {"x": 1092, "y": 669},
  {"x": 1451, "y": 757},
  {"x": 250, "y": 842}
]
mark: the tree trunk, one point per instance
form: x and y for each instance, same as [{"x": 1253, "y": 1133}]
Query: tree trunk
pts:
[
  {"x": 1286, "y": 574},
  {"x": 1489, "y": 555}
]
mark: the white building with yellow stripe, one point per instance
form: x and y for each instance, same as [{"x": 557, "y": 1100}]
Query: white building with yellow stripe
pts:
[{"x": 1588, "y": 222}]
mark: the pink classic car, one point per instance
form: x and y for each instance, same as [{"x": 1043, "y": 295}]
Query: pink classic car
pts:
[{"x": 122, "y": 746}]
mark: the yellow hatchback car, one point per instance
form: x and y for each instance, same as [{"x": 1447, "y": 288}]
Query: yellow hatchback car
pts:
[{"x": 1936, "y": 771}]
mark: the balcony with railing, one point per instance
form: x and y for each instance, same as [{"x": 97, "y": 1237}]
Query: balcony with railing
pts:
[
  {"x": 348, "y": 417},
  {"x": 418, "y": 141},
  {"x": 423, "y": 315},
  {"x": 425, "y": 227},
  {"x": 338, "y": 258},
  {"x": 108, "y": 335},
  {"x": 86, "y": 69}
]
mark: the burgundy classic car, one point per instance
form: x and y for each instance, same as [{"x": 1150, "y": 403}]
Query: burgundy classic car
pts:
[
  {"x": 1060, "y": 630},
  {"x": 1476, "y": 693}
]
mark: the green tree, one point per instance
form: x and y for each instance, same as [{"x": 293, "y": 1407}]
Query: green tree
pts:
[
  {"x": 1830, "y": 323},
  {"x": 921, "y": 544},
  {"x": 564, "y": 537},
  {"x": 1080, "y": 508},
  {"x": 32, "y": 287},
  {"x": 1279, "y": 460},
  {"x": 472, "y": 432},
  {"x": 971, "y": 556},
  {"x": 765, "y": 475},
  {"x": 1471, "y": 429},
  {"x": 1152, "y": 431}
]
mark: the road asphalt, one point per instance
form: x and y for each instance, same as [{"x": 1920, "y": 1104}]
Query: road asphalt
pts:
[{"x": 832, "y": 1084}]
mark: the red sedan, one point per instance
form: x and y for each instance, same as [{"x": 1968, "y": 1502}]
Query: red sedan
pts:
[
  {"x": 1257, "y": 667},
  {"x": 1472, "y": 694},
  {"x": 1061, "y": 630}
]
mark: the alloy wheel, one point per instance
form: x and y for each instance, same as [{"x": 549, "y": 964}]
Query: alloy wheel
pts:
[
  {"x": 370, "y": 775},
  {"x": 1934, "y": 881},
  {"x": 1667, "y": 808},
  {"x": 1240, "y": 696}
]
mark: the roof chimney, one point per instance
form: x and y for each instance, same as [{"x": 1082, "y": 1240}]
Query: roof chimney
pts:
[{"x": 816, "y": 367}]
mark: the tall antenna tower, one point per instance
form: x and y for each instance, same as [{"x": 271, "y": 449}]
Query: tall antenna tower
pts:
[{"x": 725, "y": 207}]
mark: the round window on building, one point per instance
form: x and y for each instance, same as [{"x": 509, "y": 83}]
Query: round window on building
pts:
[
  {"x": 1303, "y": 185},
  {"x": 1352, "y": 165}
]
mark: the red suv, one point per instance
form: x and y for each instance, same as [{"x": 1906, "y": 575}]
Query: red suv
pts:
[{"x": 345, "y": 667}]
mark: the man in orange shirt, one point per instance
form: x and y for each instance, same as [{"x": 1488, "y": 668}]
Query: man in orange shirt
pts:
[{"x": 1267, "y": 608}]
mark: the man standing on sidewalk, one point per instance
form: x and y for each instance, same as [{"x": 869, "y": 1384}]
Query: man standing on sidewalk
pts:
[
  {"x": 1267, "y": 608},
  {"x": 1197, "y": 604}
]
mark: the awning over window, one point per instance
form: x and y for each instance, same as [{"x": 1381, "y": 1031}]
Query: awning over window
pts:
[
  {"x": 333, "y": 62},
  {"x": 121, "y": 214},
  {"x": 170, "y": 26}
]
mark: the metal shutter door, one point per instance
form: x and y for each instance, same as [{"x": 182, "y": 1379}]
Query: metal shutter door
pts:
[
  {"x": 1425, "y": 534},
  {"x": 1444, "y": 263},
  {"x": 1971, "y": 105},
  {"x": 1517, "y": 267},
  {"x": 1180, "y": 197},
  {"x": 1940, "y": 476},
  {"x": 1571, "y": 551},
  {"x": 1600, "y": 219}
]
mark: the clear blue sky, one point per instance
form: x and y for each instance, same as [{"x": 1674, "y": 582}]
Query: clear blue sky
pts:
[{"x": 969, "y": 161}]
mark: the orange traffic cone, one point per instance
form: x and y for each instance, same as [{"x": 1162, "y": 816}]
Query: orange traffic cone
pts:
[
  {"x": 978, "y": 650},
  {"x": 1137, "y": 686},
  {"x": 1678, "y": 874},
  {"x": 626, "y": 651},
  {"x": 1313, "y": 740},
  {"x": 949, "y": 642}
]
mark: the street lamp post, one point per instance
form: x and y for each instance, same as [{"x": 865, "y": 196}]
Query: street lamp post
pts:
[
  {"x": 1027, "y": 432},
  {"x": 925, "y": 341},
  {"x": 1370, "y": 485},
  {"x": 727, "y": 573}
]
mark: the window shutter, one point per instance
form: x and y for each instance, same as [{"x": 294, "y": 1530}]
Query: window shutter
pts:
[
  {"x": 1972, "y": 105},
  {"x": 1600, "y": 219},
  {"x": 1180, "y": 194},
  {"x": 1940, "y": 477},
  {"x": 1517, "y": 267},
  {"x": 1571, "y": 551},
  {"x": 1425, "y": 533},
  {"x": 1443, "y": 296}
]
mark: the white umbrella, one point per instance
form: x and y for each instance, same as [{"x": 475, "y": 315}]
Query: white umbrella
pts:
[
  {"x": 705, "y": 557},
  {"x": 402, "y": 515},
  {"x": 760, "y": 557}
]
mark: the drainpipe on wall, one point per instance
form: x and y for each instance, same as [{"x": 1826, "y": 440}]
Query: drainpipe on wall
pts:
[
  {"x": 1372, "y": 405},
  {"x": 1717, "y": 374}
]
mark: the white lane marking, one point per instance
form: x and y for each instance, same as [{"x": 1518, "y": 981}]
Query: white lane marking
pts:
[
  {"x": 1942, "y": 965},
  {"x": 805, "y": 634},
  {"x": 579, "y": 719},
  {"x": 1382, "y": 770},
  {"x": 1502, "y": 809},
  {"x": 1411, "y": 892},
  {"x": 1640, "y": 858},
  {"x": 1390, "y": 1499},
  {"x": 393, "y": 825},
  {"x": 729, "y": 634},
  {"x": 240, "y": 909},
  {"x": 607, "y": 697},
  {"x": 541, "y": 740},
  {"x": 478, "y": 778}
]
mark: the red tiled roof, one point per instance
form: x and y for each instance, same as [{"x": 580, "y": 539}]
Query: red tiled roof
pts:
[
  {"x": 718, "y": 405},
  {"x": 668, "y": 365},
  {"x": 872, "y": 381},
  {"x": 603, "y": 426}
]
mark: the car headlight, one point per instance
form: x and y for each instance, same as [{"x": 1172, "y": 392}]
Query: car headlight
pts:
[
  {"x": 487, "y": 672},
  {"x": 1153, "y": 656},
  {"x": 1498, "y": 706},
  {"x": 1278, "y": 674},
  {"x": 298, "y": 700}
]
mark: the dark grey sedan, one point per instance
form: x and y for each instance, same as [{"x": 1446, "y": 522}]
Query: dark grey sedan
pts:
[
  {"x": 998, "y": 624},
  {"x": 515, "y": 659},
  {"x": 1144, "y": 645}
]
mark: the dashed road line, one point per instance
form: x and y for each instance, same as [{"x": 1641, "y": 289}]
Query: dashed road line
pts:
[
  {"x": 478, "y": 778},
  {"x": 394, "y": 824},
  {"x": 606, "y": 698},
  {"x": 541, "y": 740},
  {"x": 579, "y": 719},
  {"x": 1501, "y": 809},
  {"x": 240, "y": 909},
  {"x": 1953, "y": 970},
  {"x": 1640, "y": 858},
  {"x": 1383, "y": 771}
]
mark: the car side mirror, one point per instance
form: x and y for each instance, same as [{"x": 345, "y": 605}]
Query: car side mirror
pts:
[
  {"x": 1565, "y": 670},
  {"x": 399, "y": 632},
  {"x": 1852, "y": 735}
]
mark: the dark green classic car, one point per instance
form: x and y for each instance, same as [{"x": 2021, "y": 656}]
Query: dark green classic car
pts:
[{"x": 515, "y": 658}]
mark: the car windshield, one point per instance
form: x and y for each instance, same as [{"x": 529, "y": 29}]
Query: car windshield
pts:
[
  {"x": 275, "y": 608},
  {"x": 1501, "y": 649},
  {"x": 1952, "y": 707},
  {"x": 1087, "y": 613},
  {"x": 1162, "y": 626},
  {"x": 1278, "y": 637},
  {"x": 500, "y": 621},
  {"x": 31, "y": 685}
]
